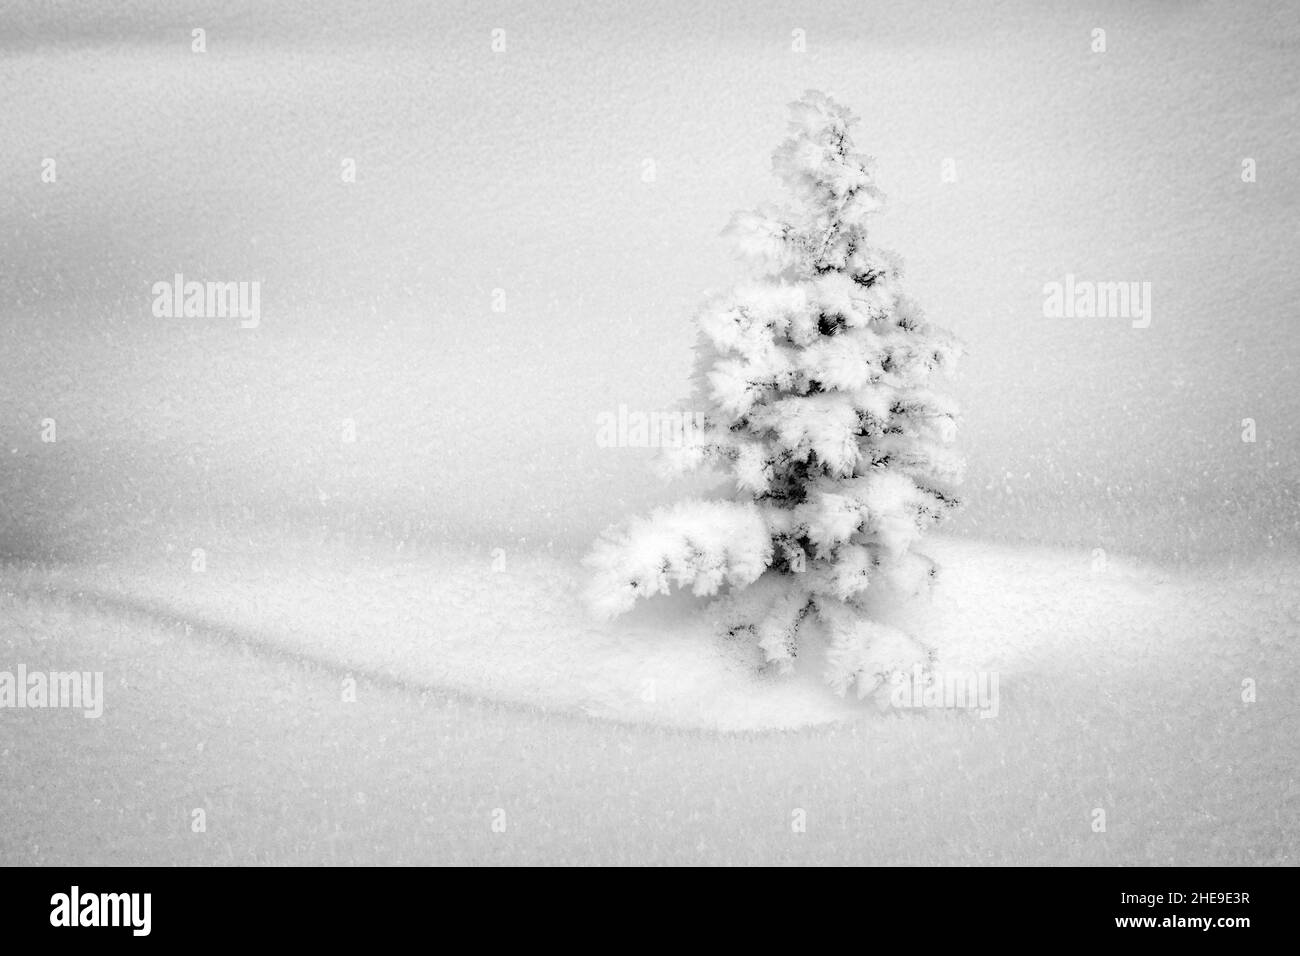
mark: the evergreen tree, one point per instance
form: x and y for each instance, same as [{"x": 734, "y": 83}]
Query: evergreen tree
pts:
[{"x": 815, "y": 381}]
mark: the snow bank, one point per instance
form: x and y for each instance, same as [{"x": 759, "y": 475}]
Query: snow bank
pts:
[{"x": 1053, "y": 626}]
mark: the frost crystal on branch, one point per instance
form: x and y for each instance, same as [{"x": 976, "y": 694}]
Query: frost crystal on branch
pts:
[{"x": 815, "y": 379}]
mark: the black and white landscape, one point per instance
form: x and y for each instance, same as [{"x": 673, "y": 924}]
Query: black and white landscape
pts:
[{"x": 347, "y": 351}]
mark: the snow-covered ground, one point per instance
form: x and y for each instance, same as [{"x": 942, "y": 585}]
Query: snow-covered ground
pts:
[
  {"x": 434, "y": 560},
  {"x": 1119, "y": 687}
]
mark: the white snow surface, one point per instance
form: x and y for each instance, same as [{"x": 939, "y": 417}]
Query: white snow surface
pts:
[
  {"x": 1120, "y": 688},
  {"x": 513, "y": 628}
]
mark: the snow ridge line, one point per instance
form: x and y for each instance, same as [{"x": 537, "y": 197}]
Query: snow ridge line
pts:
[
  {"x": 207, "y": 630},
  {"x": 212, "y": 631}
]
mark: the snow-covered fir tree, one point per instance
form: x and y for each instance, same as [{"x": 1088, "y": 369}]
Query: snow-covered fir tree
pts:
[{"x": 815, "y": 381}]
